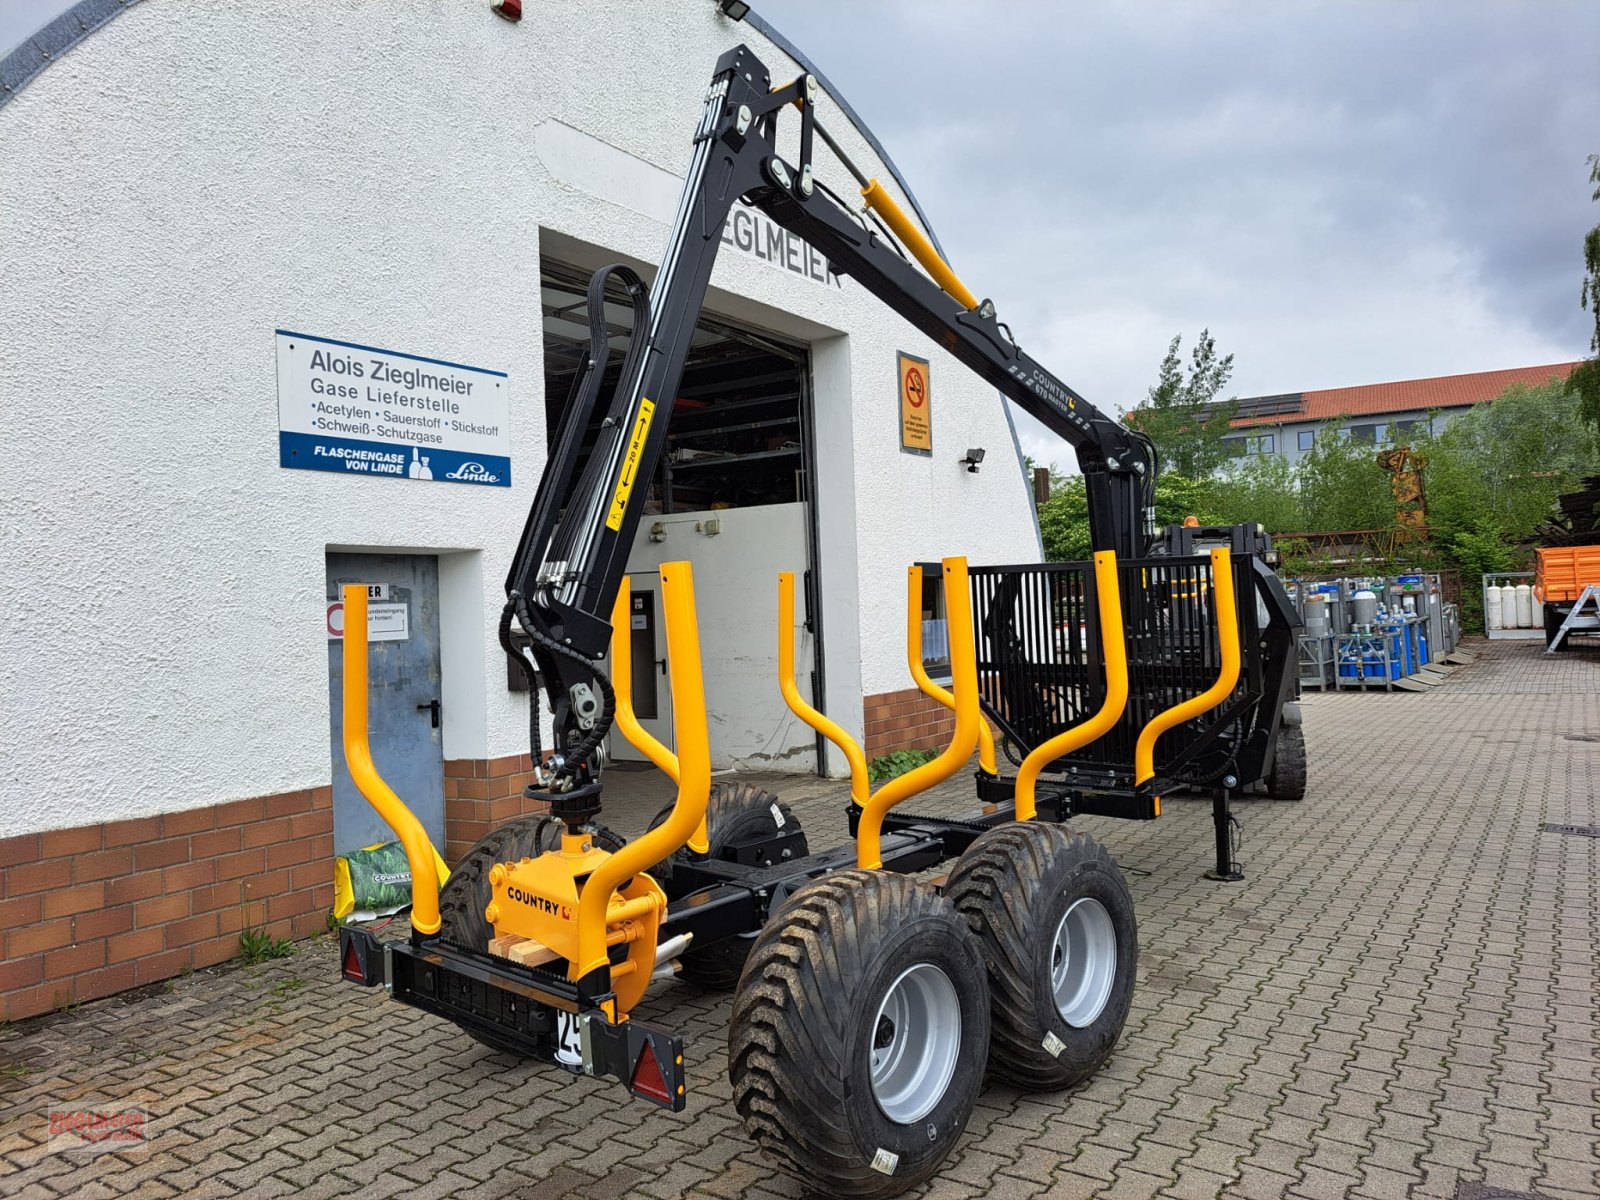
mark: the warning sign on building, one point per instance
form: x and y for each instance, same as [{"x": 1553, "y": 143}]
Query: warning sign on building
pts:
[{"x": 916, "y": 405}]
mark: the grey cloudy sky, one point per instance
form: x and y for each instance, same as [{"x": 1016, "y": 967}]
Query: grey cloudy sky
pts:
[{"x": 1344, "y": 193}]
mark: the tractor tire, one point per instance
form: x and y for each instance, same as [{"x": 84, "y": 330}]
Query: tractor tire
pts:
[
  {"x": 735, "y": 813},
  {"x": 859, "y": 1032},
  {"x": 467, "y": 892},
  {"x": 1287, "y": 779},
  {"x": 1055, "y": 923}
]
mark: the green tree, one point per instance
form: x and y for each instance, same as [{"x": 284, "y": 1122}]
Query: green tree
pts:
[
  {"x": 1182, "y": 415},
  {"x": 1584, "y": 382},
  {"x": 1260, "y": 489},
  {"x": 1064, "y": 521},
  {"x": 1476, "y": 552},
  {"x": 1341, "y": 484},
  {"x": 1501, "y": 465},
  {"x": 1179, "y": 497}
]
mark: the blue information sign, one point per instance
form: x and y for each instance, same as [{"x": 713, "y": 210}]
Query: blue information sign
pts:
[{"x": 356, "y": 409}]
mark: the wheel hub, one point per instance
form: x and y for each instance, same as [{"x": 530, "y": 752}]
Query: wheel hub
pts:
[
  {"x": 916, "y": 1038},
  {"x": 1083, "y": 962}
]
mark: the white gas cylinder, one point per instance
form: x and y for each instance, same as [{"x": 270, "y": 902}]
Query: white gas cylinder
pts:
[
  {"x": 1492, "y": 612},
  {"x": 1524, "y": 606}
]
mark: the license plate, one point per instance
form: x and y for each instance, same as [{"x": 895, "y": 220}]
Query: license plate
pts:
[{"x": 569, "y": 1039}]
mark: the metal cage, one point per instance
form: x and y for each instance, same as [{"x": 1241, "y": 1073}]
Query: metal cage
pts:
[{"x": 1040, "y": 662}]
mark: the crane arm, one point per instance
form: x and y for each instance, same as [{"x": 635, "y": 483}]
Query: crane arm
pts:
[{"x": 575, "y": 546}]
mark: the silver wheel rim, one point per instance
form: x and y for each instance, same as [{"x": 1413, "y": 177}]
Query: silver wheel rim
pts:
[
  {"x": 1083, "y": 962},
  {"x": 914, "y": 1042}
]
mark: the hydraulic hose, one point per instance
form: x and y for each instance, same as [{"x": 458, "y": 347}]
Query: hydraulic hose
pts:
[
  {"x": 535, "y": 740},
  {"x": 580, "y": 751}
]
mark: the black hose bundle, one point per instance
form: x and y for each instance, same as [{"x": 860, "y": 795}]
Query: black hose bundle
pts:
[{"x": 579, "y": 752}]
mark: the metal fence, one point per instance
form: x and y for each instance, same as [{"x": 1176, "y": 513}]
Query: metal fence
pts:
[{"x": 1041, "y": 661}]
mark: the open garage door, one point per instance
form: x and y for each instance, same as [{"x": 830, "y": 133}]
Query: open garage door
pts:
[{"x": 732, "y": 496}]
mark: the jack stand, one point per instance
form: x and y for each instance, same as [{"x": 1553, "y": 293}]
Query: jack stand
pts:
[{"x": 1226, "y": 871}]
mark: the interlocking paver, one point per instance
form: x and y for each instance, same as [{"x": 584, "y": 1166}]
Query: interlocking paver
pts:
[{"x": 1399, "y": 998}]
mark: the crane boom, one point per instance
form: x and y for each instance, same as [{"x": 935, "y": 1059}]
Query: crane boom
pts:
[{"x": 575, "y": 546}]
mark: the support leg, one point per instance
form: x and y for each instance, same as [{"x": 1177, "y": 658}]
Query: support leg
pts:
[{"x": 1226, "y": 871}]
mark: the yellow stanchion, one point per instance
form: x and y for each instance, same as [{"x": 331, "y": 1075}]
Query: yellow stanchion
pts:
[
  {"x": 1114, "y": 644},
  {"x": 694, "y": 773},
  {"x": 919, "y": 673},
  {"x": 627, "y": 720},
  {"x": 427, "y": 868},
  {"x": 1225, "y": 604},
  {"x": 797, "y": 703},
  {"x": 964, "y": 682}
]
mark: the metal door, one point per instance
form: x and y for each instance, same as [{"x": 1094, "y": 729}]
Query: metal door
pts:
[
  {"x": 652, "y": 689},
  {"x": 405, "y": 718}
]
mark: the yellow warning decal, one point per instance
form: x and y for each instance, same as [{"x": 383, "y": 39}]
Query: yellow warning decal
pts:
[{"x": 630, "y": 464}]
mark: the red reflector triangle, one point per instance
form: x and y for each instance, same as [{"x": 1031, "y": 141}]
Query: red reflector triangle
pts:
[
  {"x": 647, "y": 1078},
  {"x": 352, "y": 963}
]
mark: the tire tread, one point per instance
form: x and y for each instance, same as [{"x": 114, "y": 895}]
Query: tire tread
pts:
[
  {"x": 787, "y": 1040},
  {"x": 1287, "y": 779},
  {"x": 995, "y": 886}
]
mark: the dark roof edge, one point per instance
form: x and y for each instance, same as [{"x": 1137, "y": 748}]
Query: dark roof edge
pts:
[
  {"x": 34, "y": 54},
  {"x": 764, "y": 27},
  {"x": 19, "y": 68},
  {"x": 1277, "y": 420}
]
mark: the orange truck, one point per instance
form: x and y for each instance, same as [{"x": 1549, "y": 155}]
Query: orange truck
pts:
[{"x": 1562, "y": 574}]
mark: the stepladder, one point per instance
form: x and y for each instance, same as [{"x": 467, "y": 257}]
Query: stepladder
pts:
[{"x": 1576, "y": 619}]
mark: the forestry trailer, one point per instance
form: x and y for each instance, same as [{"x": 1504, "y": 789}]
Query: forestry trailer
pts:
[{"x": 869, "y": 1000}]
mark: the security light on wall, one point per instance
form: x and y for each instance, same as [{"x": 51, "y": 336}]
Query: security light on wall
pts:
[
  {"x": 973, "y": 458},
  {"x": 734, "y": 10}
]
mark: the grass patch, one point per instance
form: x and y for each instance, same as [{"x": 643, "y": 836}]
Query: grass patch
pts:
[{"x": 258, "y": 946}]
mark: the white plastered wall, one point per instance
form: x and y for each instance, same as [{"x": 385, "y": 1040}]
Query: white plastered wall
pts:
[
  {"x": 736, "y": 600},
  {"x": 193, "y": 176}
]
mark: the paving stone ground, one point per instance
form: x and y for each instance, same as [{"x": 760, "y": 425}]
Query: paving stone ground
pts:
[{"x": 1399, "y": 999}]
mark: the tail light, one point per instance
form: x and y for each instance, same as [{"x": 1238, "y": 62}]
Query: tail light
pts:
[{"x": 360, "y": 957}]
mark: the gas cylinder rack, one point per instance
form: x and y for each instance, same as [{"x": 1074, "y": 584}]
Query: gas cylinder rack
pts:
[
  {"x": 1509, "y": 609},
  {"x": 1383, "y": 632}
]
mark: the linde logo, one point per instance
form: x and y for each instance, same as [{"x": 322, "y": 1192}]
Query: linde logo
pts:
[
  {"x": 751, "y": 231},
  {"x": 473, "y": 472},
  {"x": 540, "y": 903}
]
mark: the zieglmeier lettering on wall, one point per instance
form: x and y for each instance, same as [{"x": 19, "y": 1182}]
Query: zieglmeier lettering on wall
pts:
[{"x": 356, "y": 409}]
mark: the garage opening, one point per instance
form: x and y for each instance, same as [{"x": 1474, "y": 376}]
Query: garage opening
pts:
[{"x": 732, "y": 496}]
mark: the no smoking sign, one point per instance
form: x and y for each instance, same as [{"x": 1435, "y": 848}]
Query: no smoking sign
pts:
[{"x": 916, "y": 405}]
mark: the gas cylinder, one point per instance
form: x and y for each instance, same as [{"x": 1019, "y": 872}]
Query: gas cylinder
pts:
[
  {"x": 1524, "y": 606},
  {"x": 1492, "y": 607},
  {"x": 1316, "y": 615},
  {"x": 1363, "y": 607}
]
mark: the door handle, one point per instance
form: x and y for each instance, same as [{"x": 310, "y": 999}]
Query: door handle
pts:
[
  {"x": 662, "y": 663},
  {"x": 432, "y": 708}
]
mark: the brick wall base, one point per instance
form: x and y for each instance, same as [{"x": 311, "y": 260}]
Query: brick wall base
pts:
[
  {"x": 906, "y": 720},
  {"x": 909, "y": 720},
  {"x": 482, "y": 794},
  {"x": 99, "y": 909}
]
